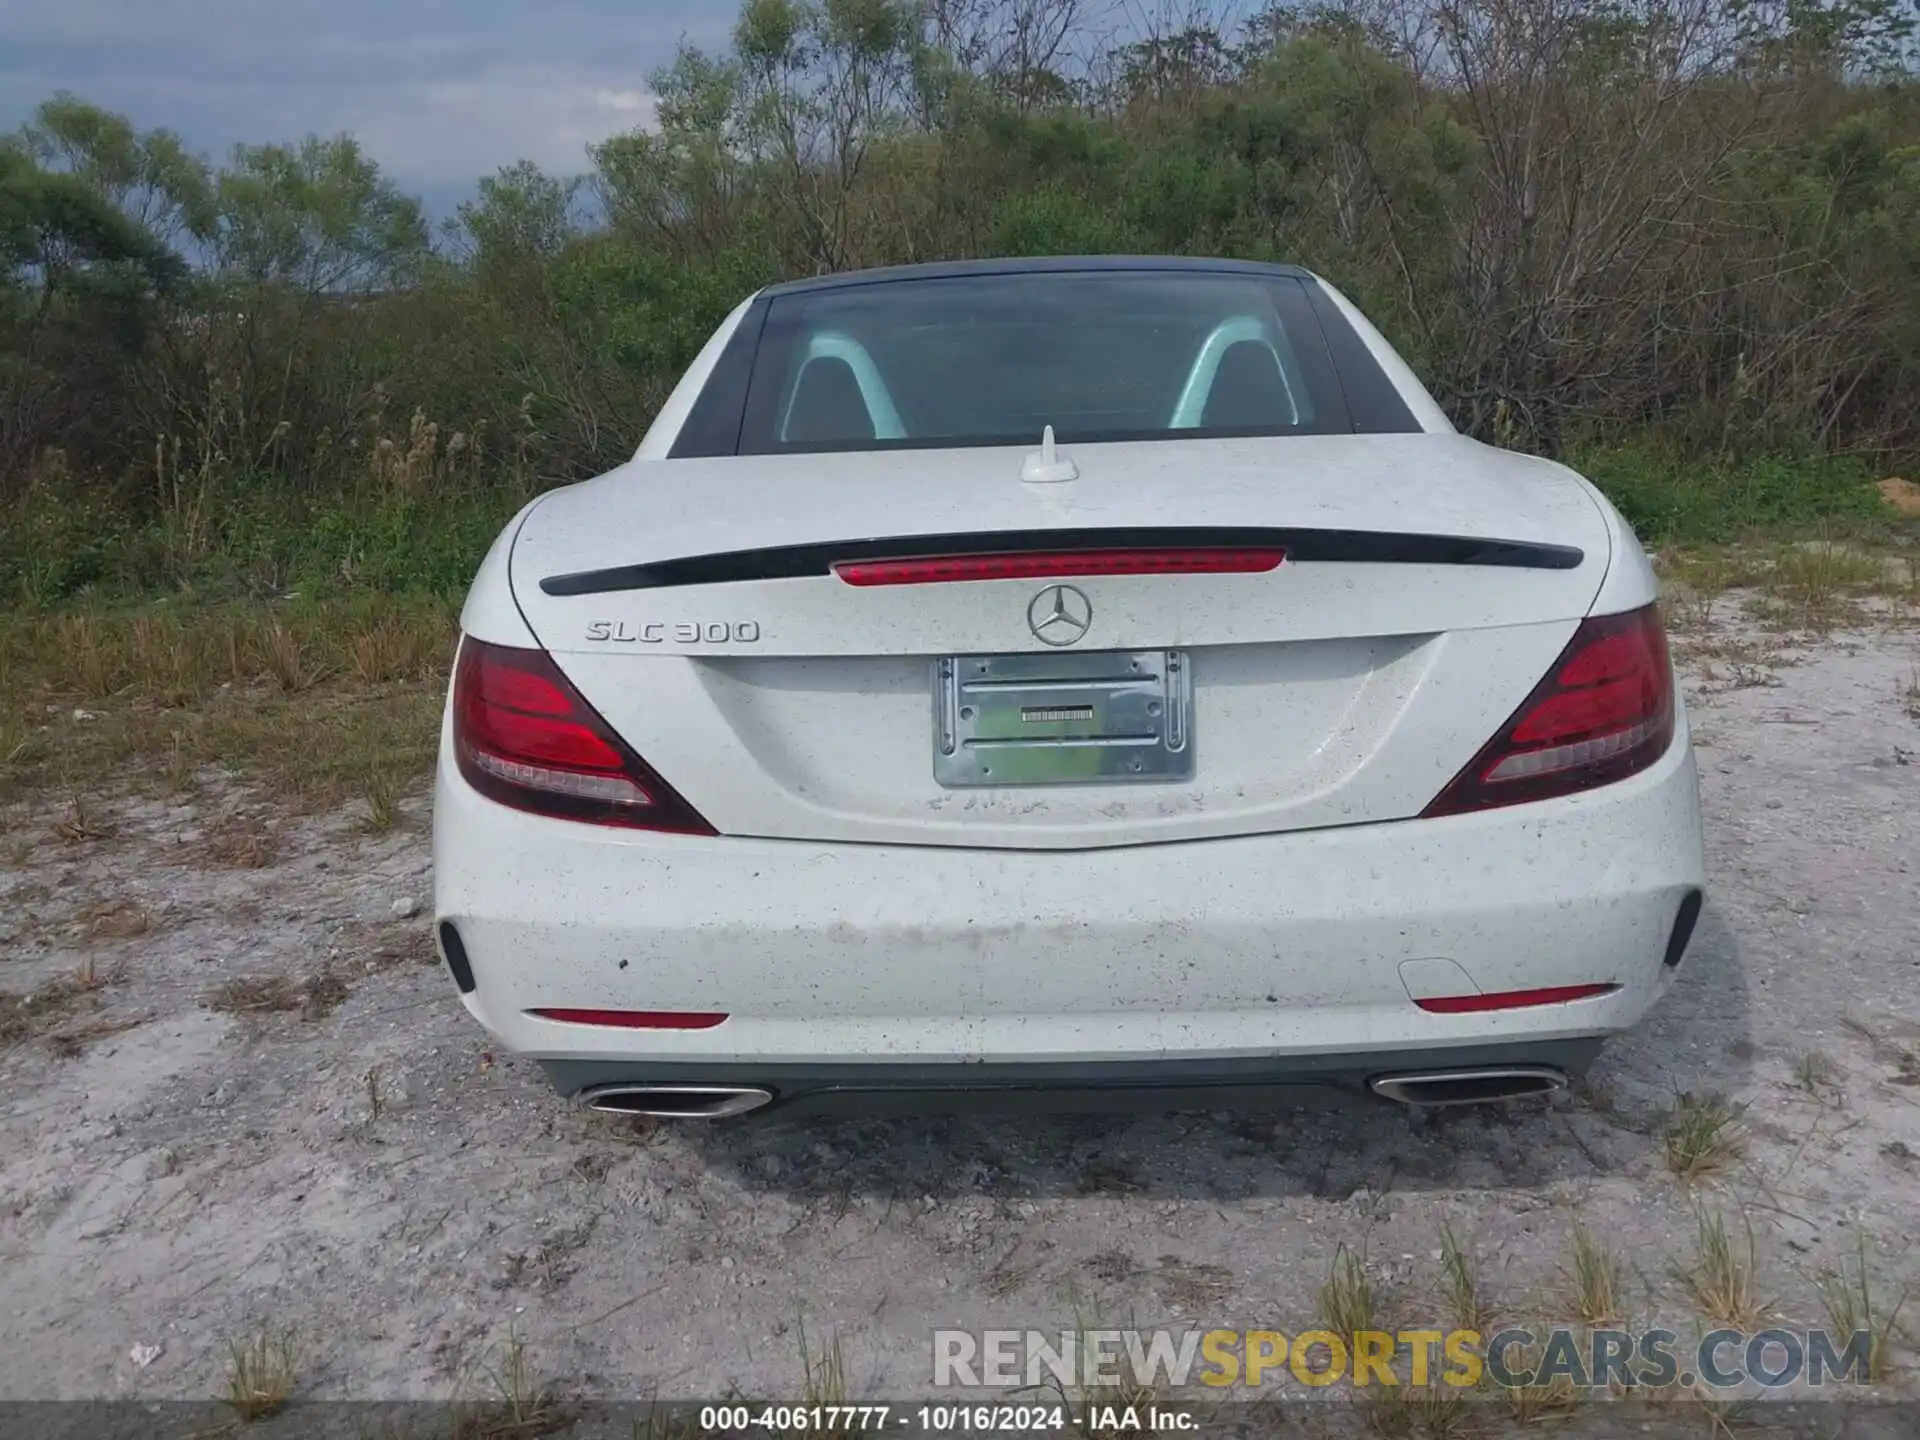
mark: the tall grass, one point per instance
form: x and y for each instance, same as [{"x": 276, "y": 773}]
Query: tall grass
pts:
[{"x": 324, "y": 699}]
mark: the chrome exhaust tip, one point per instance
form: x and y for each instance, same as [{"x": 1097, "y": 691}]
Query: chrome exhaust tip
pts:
[
  {"x": 677, "y": 1102},
  {"x": 1469, "y": 1087}
]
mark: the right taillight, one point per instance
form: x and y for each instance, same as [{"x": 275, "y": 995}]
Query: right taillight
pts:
[
  {"x": 522, "y": 735},
  {"x": 1603, "y": 712}
]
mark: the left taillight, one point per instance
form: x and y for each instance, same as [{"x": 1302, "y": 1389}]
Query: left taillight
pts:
[{"x": 522, "y": 735}]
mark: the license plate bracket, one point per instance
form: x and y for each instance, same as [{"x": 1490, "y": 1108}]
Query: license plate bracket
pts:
[{"x": 1098, "y": 718}]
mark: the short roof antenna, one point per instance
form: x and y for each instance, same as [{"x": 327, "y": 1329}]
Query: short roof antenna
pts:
[{"x": 1047, "y": 466}]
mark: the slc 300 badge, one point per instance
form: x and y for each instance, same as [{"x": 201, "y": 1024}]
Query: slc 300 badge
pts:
[{"x": 682, "y": 632}]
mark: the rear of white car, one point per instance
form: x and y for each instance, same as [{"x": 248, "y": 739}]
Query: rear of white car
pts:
[{"x": 1253, "y": 732}]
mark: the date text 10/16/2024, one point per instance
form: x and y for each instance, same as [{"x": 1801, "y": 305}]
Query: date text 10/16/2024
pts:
[{"x": 942, "y": 1419}]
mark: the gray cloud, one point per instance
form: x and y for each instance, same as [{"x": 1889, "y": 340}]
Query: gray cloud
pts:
[{"x": 439, "y": 92}]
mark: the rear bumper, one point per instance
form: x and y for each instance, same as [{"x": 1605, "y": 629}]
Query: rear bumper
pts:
[
  {"x": 1242, "y": 1083},
  {"x": 841, "y": 965}
]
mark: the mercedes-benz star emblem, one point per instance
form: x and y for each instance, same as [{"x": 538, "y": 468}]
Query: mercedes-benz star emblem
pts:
[{"x": 1059, "y": 615}]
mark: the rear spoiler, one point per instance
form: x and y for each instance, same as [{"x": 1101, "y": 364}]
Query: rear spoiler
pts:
[{"x": 792, "y": 562}]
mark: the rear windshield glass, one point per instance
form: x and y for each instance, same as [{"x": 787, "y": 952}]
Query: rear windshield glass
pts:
[{"x": 993, "y": 359}]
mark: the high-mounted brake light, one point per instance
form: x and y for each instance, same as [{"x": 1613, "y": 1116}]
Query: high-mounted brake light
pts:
[
  {"x": 522, "y": 735},
  {"x": 947, "y": 569},
  {"x": 1603, "y": 712}
]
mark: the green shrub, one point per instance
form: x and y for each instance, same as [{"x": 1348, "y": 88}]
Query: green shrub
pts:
[{"x": 1669, "y": 496}]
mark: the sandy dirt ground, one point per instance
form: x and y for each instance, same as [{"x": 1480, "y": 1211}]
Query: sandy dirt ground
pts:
[{"x": 269, "y": 1111}]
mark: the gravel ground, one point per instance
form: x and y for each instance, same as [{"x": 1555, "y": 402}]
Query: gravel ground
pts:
[{"x": 365, "y": 1168}]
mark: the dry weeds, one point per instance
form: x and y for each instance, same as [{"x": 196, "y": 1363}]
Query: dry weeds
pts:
[
  {"x": 1847, "y": 1296},
  {"x": 312, "y": 997},
  {"x": 46, "y": 1010},
  {"x": 1595, "y": 1277},
  {"x": 1465, "y": 1301},
  {"x": 1703, "y": 1136},
  {"x": 520, "y": 1404},
  {"x": 1347, "y": 1301},
  {"x": 320, "y": 702},
  {"x": 1723, "y": 1280},
  {"x": 261, "y": 1371}
]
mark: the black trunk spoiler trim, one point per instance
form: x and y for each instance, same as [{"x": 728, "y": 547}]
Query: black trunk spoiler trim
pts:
[{"x": 1303, "y": 547}]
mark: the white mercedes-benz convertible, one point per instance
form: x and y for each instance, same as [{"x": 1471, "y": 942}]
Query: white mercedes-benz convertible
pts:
[{"x": 1062, "y": 678}]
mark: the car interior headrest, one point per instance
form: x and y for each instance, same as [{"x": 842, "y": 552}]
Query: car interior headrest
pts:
[
  {"x": 827, "y": 405},
  {"x": 1248, "y": 390}
]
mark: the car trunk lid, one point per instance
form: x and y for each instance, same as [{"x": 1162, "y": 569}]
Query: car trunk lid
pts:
[{"x": 1427, "y": 583}]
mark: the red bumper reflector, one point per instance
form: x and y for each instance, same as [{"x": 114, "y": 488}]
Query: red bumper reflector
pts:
[
  {"x": 635, "y": 1019},
  {"x": 1511, "y": 999},
  {"x": 938, "y": 570}
]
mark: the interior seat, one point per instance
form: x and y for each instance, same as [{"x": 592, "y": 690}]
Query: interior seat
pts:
[
  {"x": 1248, "y": 390},
  {"x": 828, "y": 407}
]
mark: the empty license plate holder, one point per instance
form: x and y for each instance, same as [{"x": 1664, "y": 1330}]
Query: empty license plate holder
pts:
[{"x": 1100, "y": 718}]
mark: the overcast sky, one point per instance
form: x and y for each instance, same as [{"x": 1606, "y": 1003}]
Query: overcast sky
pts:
[{"x": 439, "y": 91}]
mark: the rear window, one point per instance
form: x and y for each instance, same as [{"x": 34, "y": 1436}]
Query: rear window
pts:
[{"x": 993, "y": 359}]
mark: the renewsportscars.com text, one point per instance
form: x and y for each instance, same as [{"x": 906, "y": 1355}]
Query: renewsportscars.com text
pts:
[{"x": 1512, "y": 1358}]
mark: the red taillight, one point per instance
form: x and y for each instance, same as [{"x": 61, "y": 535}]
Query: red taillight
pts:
[
  {"x": 1511, "y": 999},
  {"x": 945, "y": 569},
  {"x": 635, "y": 1019},
  {"x": 1604, "y": 712},
  {"x": 523, "y": 736}
]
